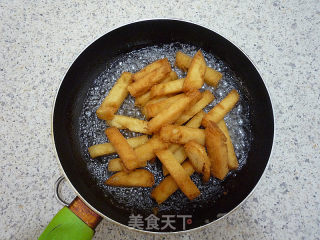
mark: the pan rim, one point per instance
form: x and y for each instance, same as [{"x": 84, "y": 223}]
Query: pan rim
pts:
[{"x": 140, "y": 230}]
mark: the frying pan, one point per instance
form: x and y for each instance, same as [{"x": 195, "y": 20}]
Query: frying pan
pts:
[{"x": 93, "y": 202}]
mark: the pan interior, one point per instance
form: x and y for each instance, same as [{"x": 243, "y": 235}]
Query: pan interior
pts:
[{"x": 91, "y": 131}]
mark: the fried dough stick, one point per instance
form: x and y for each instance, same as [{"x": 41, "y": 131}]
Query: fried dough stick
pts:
[
  {"x": 107, "y": 148},
  {"x": 182, "y": 134},
  {"x": 180, "y": 176},
  {"x": 115, "y": 97},
  {"x": 143, "y": 99},
  {"x": 143, "y": 84},
  {"x": 206, "y": 98},
  {"x": 144, "y": 152},
  {"x": 211, "y": 77},
  {"x": 168, "y": 185},
  {"x": 217, "y": 113},
  {"x": 195, "y": 75},
  {"x": 127, "y": 155},
  {"x": 177, "y": 149},
  {"x": 170, "y": 115},
  {"x": 232, "y": 158},
  {"x": 135, "y": 178},
  {"x": 125, "y": 122},
  {"x": 217, "y": 150},
  {"x": 199, "y": 159}
]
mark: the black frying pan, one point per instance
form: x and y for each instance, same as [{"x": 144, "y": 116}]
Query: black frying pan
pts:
[{"x": 89, "y": 66}]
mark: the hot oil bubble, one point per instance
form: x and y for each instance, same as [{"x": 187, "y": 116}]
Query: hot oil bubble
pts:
[
  {"x": 239, "y": 109},
  {"x": 219, "y": 93},
  {"x": 223, "y": 84}
]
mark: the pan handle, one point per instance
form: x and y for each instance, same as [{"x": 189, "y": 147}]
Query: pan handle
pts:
[
  {"x": 75, "y": 222},
  {"x": 56, "y": 191}
]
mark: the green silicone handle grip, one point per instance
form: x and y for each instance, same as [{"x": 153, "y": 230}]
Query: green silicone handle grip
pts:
[{"x": 66, "y": 226}]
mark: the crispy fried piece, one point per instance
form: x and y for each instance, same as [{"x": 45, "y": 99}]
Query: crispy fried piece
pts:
[
  {"x": 142, "y": 85},
  {"x": 115, "y": 97},
  {"x": 107, "y": 148},
  {"x": 174, "y": 147},
  {"x": 206, "y": 98},
  {"x": 218, "y": 112},
  {"x": 168, "y": 185},
  {"x": 232, "y": 158},
  {"x": 152, "y": 101},
  {"x": 195, "y": 75},
  {"x": 178, "y": 149},
  {"x": 150, "y": 68},
  {"x": 199, "y": 159},
  {"x": 145, "y": 152},
  {"x": 195, "y": 122},
  {"x": 115, "y": 165},
  {"x": 143, "y": 99},
  {"x": 136, "y": 178},
  {"x": 133, "y": 124},
  {"x": 172, "y": 76},
  {"x": 125, "y": 151},
  {"x": 211, "y": 76},
  {"x": 155, "y": 100},
  {"x": 183, "y": 61},
  {"x": 217, "y": 150},
  {"x": 167, "y": 88},
  {"x": 152, "y": 109},
  {"x": 180, "y": 155},
  {"x": 180, "y": 176},
  {"x": 182, "y": 134},
  {"x": 173, "y": 112}
]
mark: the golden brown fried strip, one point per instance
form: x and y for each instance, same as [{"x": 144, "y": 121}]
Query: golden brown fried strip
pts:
[
  {"x": 145, "y": 152},
  {"x": 218, "y": 112},
  {"x": 217, "y": 150},
  {"x": 199, "y": 159},
  {"x": 150, "y": 68},
  {"x": 232, "y": 158},
  {"x": 145, "y": 98},
  {"x": 142, "y": 85},
  {"x": 135, "y": 178},
  {"x": 195, "y": 122},
  {"x": 180, "y": 155},
  {"x": 115, "y": 165},
  {"x": 115, "y": 97},
  {"x": 174, "y": 147},
  {"x": 177, "y": 149},
  {"x": 107, "y": 148},
  {"x": 167, "y": 88},
  {"x": 133, "y": 124},
  {"x": 195, "y": 75},
  {"x": 211, "y": 76},
  {"x": 180, "y": 176},
  {"x": 206, "y": 98},
  {"x": 168, "y": 185},
  {"x": 183, "y": 61},
  {"x": 152, "y": 101},
  {"x": 152, "y": 109},
  {"x": 182, "y": 134},
  {"x": 173, "y": 112},
  {"x": 125, "y": 151}
]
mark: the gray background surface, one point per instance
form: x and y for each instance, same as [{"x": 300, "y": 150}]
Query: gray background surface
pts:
[{"x": 40, "y": 39}]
